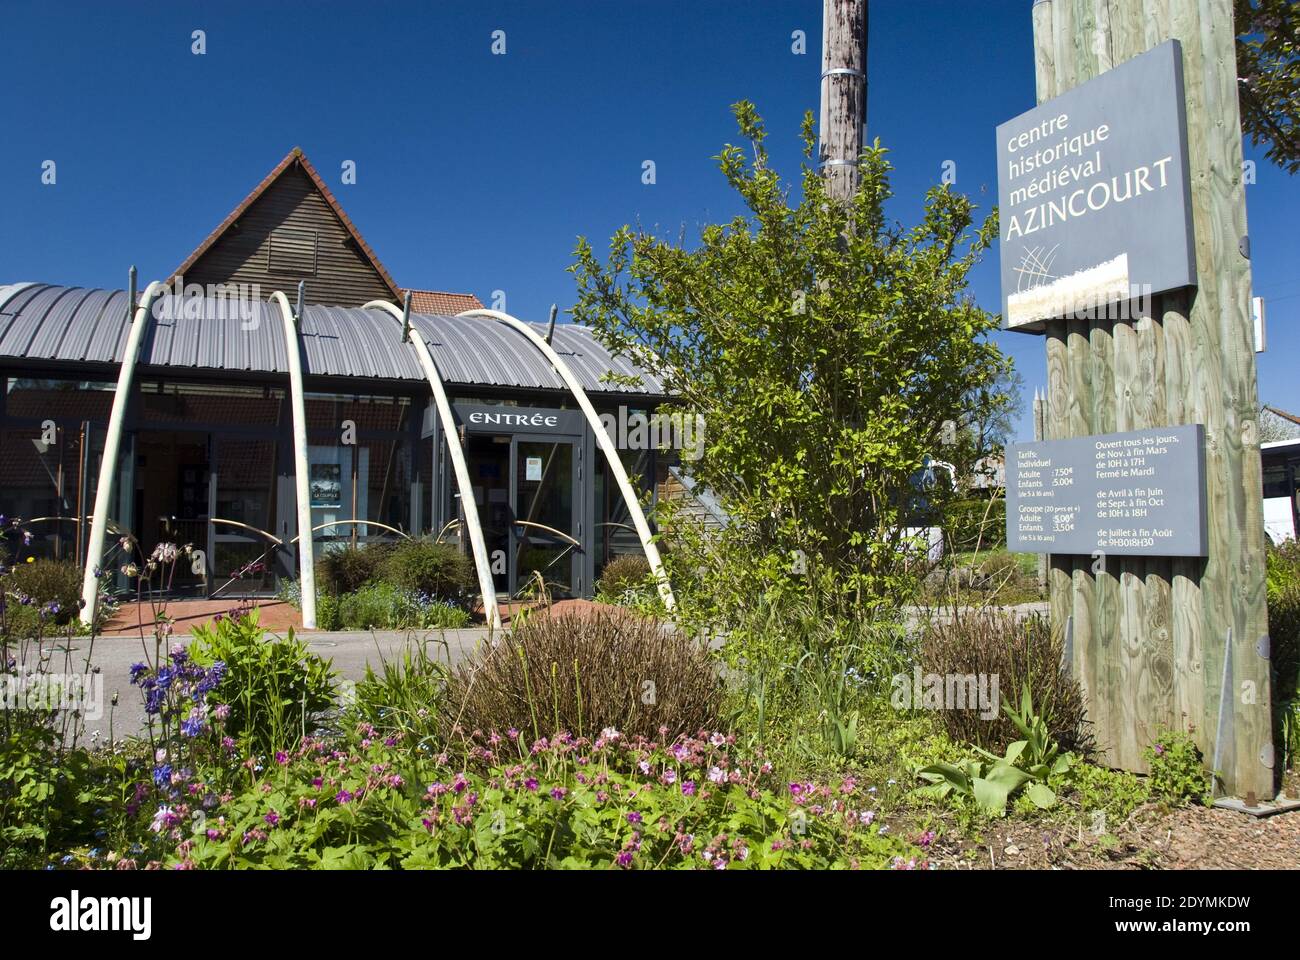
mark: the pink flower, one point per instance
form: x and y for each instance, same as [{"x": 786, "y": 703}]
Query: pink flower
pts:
[
  {"x": 717, "y": 774},
  {"x": 530, "y": 783},
  {"x": 688, "y": 788},
  {"x": 559, "y": 793}
]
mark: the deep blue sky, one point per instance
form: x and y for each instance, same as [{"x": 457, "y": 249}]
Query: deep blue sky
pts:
[{"x": 477, "y": 172}]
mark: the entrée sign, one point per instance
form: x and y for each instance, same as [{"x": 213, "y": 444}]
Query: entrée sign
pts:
[{"x": 1140, "y": 493}]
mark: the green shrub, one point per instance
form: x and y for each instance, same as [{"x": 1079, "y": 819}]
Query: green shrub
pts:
[
  {"x": 1115, "y": 793},
  {"x": 386, "y": 606},
  {"x": 438, "y": 570},
  {"x": 53, "y": 584},
  {"x": 1284, "y": 639},
  {"x": 407, "y": 696},
  {"x": 327, "y": 612},
  {"x": 341, "y": 569},
  {"x": 584, "y": 671},
  {"x": 1177, "y": 769},
  {"x": 47, "y": 795},
  {"x": 975, "y": 521},
  {"x": 1018, "y": 652},
  {"x": 625, "y": 573},
  {"x": 276, "y": 689}
]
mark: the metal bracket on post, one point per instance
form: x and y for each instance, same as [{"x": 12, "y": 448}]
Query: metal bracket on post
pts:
[
  {"x": 1223, "y": 735},
  {"x": 550, "y": 327},
  {"x": 406, "y": 317},
  {"x": 297, "y": 310},
  {"x": 130, "y": 293}
]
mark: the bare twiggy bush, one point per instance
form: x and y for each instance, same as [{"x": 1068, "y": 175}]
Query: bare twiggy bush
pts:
[
  {"x": 1016, "y": 650},
  {"x": 581, "y": 672}
]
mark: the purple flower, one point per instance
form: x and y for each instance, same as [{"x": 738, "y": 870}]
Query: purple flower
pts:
[
  {"x": 688, "y": 788},
  {"x": 192, "y": 726},
  {"x": 624, "y": 859},
  {"x": 530, "y": 783},
  {"x": 272, "y": 818},
  {"x": 558, "y": 792},
  {"x": 634, "y": 817}
]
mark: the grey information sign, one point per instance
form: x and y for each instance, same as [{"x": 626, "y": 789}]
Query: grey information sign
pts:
[
  {"x": 1094, "y": 196},
  {"x": 1139, "y": 493}
]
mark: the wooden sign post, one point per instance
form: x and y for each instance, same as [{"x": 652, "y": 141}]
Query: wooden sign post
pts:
[{"x": 1162, "y": 643}]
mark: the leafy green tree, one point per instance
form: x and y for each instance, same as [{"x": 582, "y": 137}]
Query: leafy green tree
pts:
[
  {"x": 826, "y": 346},
  {"x": 1268, "y": 68}
]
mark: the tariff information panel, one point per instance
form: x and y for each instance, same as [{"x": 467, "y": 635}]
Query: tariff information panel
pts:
[{"x": 1140, "y": 493}]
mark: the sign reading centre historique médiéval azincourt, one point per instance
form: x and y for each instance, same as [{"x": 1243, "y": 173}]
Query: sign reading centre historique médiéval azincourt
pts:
[{"x": 1094, "y": 196}]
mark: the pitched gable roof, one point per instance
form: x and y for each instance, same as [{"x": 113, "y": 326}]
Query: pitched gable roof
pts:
[{"x": 295, "y": 158}]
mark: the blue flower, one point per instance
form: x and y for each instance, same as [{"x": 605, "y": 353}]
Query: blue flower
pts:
[
  {"x": 162, "y": 774},
  {"x": 192, "y": 727},
  {"x": 153, "y": 701},
  {"x": 137, "y": 671}
]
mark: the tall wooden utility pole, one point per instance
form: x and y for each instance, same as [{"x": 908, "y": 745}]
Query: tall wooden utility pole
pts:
[
  {"x": 844, "y": 94},
  {"x": 1161, "y": 643}
]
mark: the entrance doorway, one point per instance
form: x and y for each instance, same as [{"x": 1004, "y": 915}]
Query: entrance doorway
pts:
[
  {"x": 525, "y": 490},
  {"x": 171, "y": 499}
]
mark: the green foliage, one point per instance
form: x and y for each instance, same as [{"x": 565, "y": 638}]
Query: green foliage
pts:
[
  {"x": 437, "y": 570},
  {"x": 1019, "y": 652},
  {"x": 386, "y": 606},
  {"x": 627, "y": 573},
  {"x": 975, "y": 523},
  {"x": 407, "y": 697},
  {"x": 991, "y": 781},
  {"x": 1284, "y": 639},
  {"x": 1115, "y": 793},
  {"x": 342, "y": 569},
  {"x": 584, "y": 671},
  {"x": 276, "y": 688},
  {"x": 1178, "y": 772},
  {"x": 630, "y": 805},
  {"x": 825, "y": 347},
  {"x": 1268, "y": 63},
  {"x": 49, "y": 582},
  {"x": 48, "y": 796}
]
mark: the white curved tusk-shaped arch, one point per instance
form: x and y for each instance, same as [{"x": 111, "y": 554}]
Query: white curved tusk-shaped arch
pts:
[
  {"x": 478, "y": 546},
  {"x": 302, "y": 485},
  {"x": 602, "y": 440},
  {"x": 112, "y": 447}
]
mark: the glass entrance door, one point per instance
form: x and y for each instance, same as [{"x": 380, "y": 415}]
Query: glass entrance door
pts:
[
  {"x": 242, "y": 557},
  {"x": 543, "y": 529}
]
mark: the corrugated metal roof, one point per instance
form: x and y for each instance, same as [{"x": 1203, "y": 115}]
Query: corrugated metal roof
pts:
[{"x": 82, "y": 325}]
